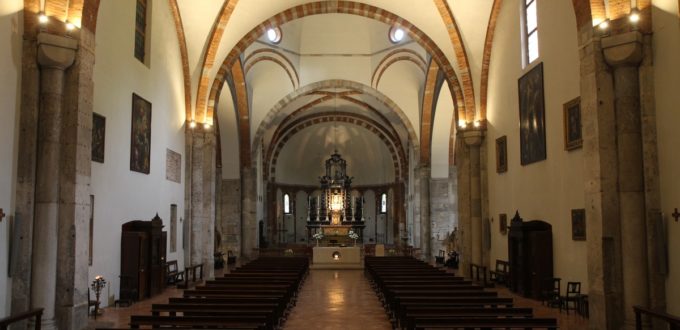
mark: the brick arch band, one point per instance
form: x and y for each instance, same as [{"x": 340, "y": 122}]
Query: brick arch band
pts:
[
  {"x": 339, "y": 7},
  {"x": 277, "y": 115},
  {"x": 390, "y": 140}
]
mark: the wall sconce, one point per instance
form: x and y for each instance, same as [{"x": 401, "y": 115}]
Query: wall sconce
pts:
[
  {"x": 206, "y": 125},
  {"x": 476, "y": 123},
  {"x": 192, "y": 124},
  {"x": 634, "y": 16},
  {"x": 70, "y": 26},
  {"x": 42, "y": 18},
  {"x": 462, "y": 123}
]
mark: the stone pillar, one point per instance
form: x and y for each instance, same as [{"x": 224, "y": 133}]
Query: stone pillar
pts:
[
  {"x": 473, "y": 139},
  {"x": 462, "y": 161},
  {"x": 55, "y": 54},
  {"x": 623, "y": 52},
  {"x": 203, "y": 168},
  {"x": 424, "y": 174},
  {"x": 248, "y": 212}
]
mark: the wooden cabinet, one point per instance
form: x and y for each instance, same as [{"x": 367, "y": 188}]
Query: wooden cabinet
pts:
[
  {"x": 530, "y": 255},
  {"x": 142, "y": 259}
]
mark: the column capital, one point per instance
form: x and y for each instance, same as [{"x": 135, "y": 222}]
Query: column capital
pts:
[
  {"x": 473, "y": 138},
  {"x": 623, "y": 49},
  {"x": 55, "y": 51}
]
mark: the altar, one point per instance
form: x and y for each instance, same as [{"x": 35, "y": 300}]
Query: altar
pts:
[{"x": 330, "y": 257}]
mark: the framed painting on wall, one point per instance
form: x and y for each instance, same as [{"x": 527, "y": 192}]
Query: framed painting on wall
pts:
[
  {"x": 573, "y": 138},
  {"x": 502, "y": 154},
  {"x": 98, "y": 137},
  {"x": 532, "y": 116},
  {"x": 503, "y": 221},
  {"x": 140, "y": 144},
  {"x": 578, "y": 225}
]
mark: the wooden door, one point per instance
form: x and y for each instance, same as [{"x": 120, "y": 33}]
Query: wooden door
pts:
[
  {"x": 143, "y": 266},
  {"x": 129, "y": 265}
]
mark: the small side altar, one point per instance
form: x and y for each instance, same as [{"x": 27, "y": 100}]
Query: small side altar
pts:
[{"x": 331, "y": 257}]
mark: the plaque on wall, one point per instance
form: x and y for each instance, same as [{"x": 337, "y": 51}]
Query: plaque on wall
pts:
[{"x": 173, "y": 166}]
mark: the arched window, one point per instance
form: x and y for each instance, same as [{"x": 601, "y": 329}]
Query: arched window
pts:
[
  {"x": 286, "y": 204},
  {"x": 383, "y": 203},
  {"x": 530, "y": 31}
]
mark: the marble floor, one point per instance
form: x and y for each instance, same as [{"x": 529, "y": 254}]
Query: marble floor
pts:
[{"x": 332, "y": 299}]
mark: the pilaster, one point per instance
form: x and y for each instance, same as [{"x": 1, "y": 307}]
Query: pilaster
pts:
[
  {"x": 55, "y": 54},
  {"x": 424, "y": 175},
  {"x": 473, "y": 141}
]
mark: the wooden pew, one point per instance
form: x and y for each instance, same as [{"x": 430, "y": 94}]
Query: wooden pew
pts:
[{"x": 418, "y": 296}]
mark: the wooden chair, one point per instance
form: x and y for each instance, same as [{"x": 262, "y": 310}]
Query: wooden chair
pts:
[
  {"x": 550, "y": 294},
  {"x": 231, "y": 258},
  {"x": 501, "y": 273},
  {"x": 573, "y": 295},
  {"x": 173, "y": 274},
  {"x": 440, "y": 258},
  {"x": 92, "y": 303}
]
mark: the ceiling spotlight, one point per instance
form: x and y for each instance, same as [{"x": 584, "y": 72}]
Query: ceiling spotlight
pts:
[
  {"x": 476, "y": 123},
  {"x": 206, "y": 125},
  {"x": 396, "y": 34},
  {"x": 192, "y": 124},
  {"x": 634, "y": 16},
  {"x": 274, "y": 35},
  {"x": 42, "y": 18},
  {"x": 70, "y": 26},
  {"x": 462, "y": 123}
]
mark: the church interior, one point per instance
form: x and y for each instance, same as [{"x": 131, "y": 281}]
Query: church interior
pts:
[{"x": 177, "y": 148}]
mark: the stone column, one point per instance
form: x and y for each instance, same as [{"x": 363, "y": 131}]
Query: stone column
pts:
[
  {"x": 203, "y": 168},
  {"x": 55, "y": 54},
  {"x": 473, "y": 139},
  {"x": 623, "y": 52},
  {"x": 424, "y": 174},
  {"x": 248, "y": 212}
]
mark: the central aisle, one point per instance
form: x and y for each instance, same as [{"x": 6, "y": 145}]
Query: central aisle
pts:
[{"x": 337, "y": 299}]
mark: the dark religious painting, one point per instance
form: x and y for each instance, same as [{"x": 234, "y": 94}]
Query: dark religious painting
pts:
[
  {"x": 140, "y": 144},
  {"x": 572, "y": 124},
  {"x": 503, "y": 221},
  {"x": 98, "y": 137},
  {"x": 502, "y": 154},
  {"x": 578, "y": 225},
  {"x": 532, "y": 116}
]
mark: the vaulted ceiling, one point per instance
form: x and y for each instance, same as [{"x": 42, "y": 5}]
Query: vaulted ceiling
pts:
[{"x": 334, "y": 57}]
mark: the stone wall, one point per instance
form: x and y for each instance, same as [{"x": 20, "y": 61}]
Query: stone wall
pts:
[
  {"x": 443, "y": 212},
  {"x": 229, "y": 222}
]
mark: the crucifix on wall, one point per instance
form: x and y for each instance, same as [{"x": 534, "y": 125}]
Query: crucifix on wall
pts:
[
  {"x": 675, "y": 214},
  {"x": 2, "y": 214}
]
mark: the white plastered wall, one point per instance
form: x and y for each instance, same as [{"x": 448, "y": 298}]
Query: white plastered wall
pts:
[
  {"x": 120, "y": 194},
  {"x": 666, "y": 24},
  {"x": 301, "y": 160},
  {"x": 545, "y": 190},
  {"x": 11, "y": 30},
  {"x": 441, "y": 133},
  {"x": 229, "y": 135}
]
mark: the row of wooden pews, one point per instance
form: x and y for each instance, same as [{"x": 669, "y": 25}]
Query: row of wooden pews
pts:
[
  {"x": 419, "y": 296},
  {"x": 257, "y": 295}
]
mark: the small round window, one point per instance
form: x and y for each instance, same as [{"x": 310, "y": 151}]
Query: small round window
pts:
[
  {"x": 397, "y": 34},
  {"x": 274, "y": 35}
]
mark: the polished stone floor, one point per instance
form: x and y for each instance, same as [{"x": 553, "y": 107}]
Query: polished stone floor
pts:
[
  {"x": 337, "y": 299},
  {"x": 332, "y": 299}
]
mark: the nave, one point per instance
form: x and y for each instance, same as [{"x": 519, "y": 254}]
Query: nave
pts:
[{"x": 331, "y": 299}]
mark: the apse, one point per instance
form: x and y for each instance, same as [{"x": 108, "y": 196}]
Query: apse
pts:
[{"x": 301, "y": 160}]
